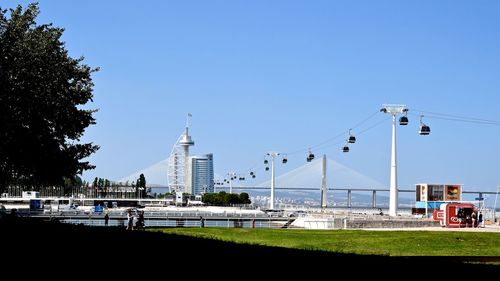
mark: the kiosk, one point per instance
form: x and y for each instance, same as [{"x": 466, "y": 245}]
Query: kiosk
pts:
[
  {"x": 432, "y": 196},
  {"x": 456, "y": 215}
]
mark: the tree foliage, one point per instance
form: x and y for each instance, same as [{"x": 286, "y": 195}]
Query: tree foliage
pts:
[
  {"x": 141, "y": 186},
  {"x": 141, "y": 182},
  {"x": 245, "y": 198},
  {"x": 70, "y": 183},
  {"x": 42, "y": 90},
  {"x": 223, "y": 199}
]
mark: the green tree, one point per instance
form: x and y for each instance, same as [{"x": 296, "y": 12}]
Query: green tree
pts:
[
  {"x": 70, "y": 183},
  {"x": 208, "y": 198},
  {"x": 141, "y": 184},
  {"x": 42, "y": 91},
  {"x": 233, "y": 199},
  {"x": 222, "y": 198},
  {"x": 245, "y": 198},
  {"x": 142, "y": 181}
]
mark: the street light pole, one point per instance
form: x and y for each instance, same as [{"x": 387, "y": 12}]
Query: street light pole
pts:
[{"x": 495, "y": 207}]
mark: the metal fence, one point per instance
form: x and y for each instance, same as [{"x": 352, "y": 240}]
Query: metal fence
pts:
[{"x": 176, "y": 222}]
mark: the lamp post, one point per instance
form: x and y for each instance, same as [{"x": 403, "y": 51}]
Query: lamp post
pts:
[
  {"x": 495, "y": 207},
  {"x": 393, "y": 194}
]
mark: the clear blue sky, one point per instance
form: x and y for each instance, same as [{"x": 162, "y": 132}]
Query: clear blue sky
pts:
[{"x": 287, "y": 75}]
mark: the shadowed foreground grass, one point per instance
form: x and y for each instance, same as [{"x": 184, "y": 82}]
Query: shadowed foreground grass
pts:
[
  {"x": 393, "y": 243},
  {"x": 90, "y": 252}
]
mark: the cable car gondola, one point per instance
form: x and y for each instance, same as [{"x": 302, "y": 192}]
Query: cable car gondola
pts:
[
  {"x": 424, "y": 129},
  {"x": 352, "y": 139},
  {"x": 345, "y": 148},
  {"x": 267, "y": 168},
  {"x": 266, "y": 162},
  {"x": 310, "y": 157},
  {"x": 285, "y": 160},
  {"x": 403, "y": 121}
]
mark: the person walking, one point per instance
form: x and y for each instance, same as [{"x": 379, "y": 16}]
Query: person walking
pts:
[
  {"x": 130, "y": 220},
  {"x": 139, "y": 225},
  {"x": 480, "y": 219},
  {"x": 106, "y": 219}
]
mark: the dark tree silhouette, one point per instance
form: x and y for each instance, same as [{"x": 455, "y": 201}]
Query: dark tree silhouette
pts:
[
  {"x": 42, "y": 90},
  {"x": 222, "y": 198},
  {"x": 245, "y": 198},
  {"x": 141, "y": 184}
]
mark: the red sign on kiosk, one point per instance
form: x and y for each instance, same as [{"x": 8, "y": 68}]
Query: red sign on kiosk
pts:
[{"x": 456, "y": 215}]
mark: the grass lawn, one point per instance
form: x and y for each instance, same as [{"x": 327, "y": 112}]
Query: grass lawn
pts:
[{"x": 393, "y": 243}]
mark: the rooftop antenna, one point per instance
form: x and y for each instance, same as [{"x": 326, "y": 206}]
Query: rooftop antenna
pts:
[
  {"x": 186, "y": 140},
  {"x": 188, "y": 120}
]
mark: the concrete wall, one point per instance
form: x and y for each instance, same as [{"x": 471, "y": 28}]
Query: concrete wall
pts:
[
  {"x": 360, "y": 223},
  {"x": 390, "y": 223}
]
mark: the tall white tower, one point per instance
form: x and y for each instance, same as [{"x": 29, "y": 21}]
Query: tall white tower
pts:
[
  {"x": 393, "y": 109},
  {"x": 185, "y": 143},
  {"x": 179, "y": 166},
  {"x": 323, "y": 184},
  {"x": 273, "y": 155}
]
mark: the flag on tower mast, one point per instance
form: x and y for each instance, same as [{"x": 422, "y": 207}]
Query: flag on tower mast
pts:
[{"x": 188, "y": 119}]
